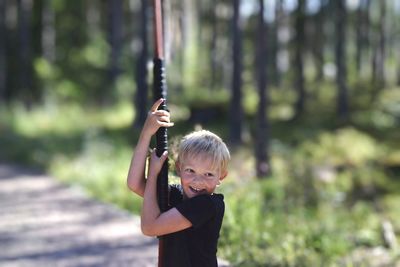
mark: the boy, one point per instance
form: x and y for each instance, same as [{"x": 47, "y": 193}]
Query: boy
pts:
[{"x": 191, "y": 227}]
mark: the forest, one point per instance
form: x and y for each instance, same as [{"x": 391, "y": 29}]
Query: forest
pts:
[{"x": 306, "y": 93}]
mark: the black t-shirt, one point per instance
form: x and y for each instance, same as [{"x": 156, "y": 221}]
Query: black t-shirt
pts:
[{"x": 197, "y": 245}]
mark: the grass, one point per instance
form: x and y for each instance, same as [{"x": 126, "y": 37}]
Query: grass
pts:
[{"x": 332, "y": 185}]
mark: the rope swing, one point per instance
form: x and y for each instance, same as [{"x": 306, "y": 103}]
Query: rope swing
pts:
[{"x": 160, "y": 91}]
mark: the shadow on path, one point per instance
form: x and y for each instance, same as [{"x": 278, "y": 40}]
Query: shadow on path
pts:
[{"x": 44, "y": 223}]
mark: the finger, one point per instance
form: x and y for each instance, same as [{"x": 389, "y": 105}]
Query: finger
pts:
[
  {"x": 154, "y": 153},
  {"x": 161, "y": 113},
  {"x": 164, "y": 156},
  {"x": 164, "y": 119},
  {"x": 166, "y": 124},
  {"x": 156, "y": 104}
]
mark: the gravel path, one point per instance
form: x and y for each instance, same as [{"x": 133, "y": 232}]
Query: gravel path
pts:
[{"x": 44, "y": 223}]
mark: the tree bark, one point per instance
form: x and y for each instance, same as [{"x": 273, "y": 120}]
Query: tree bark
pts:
[
  {"x": 236, "y": 107},
  {"x": 272, "y": 47},
  {"x": 48, "y": 32},
  {"x": 298, "y": 60},
  {"x": 340, "y": 55},
  {"x": 319, "y": 42},
  {"x": 381, "y": 51},
  {"x": 213, "y": 45},
  {"x": 279, "y": 13},
  {"x": 3, "y": 52},
  {"x": 361, "y": 32},
  {"x": 115, "y": 38},
  {"x": 141, "y": 70},
  {"x": 262, "y": 132},
  {"x": 93, "y": 18},
  {"x": 25, "y": 53},
  {"x": 398, "y": 68}
]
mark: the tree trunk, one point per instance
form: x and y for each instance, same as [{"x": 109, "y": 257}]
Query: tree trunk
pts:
[
  {"x": 262, "y": 131},
  {"x": 279, "y": 17},
  {"x": 367, "y": 44},
  {"x": 381, "y": 47},
  {"x": 191, "y": 51},
  {"x": 236, "y": 107},
  {"x": 141, "y": 70},
  {"x": 213, "y": 45},
  {"x": 10, "y": 39},
  {"x": 48, "y": 32},
  {"x": 298, "y": 60},
  {"x": 115, "y": 38},
  {"x": 166, "y": 10},
  {"x": 398, "y": 68},
  {"x": 25, "y": 54},
  {"x": 93, "y": 18},
  {"x": 181, "y": 50},
  {"x": 36, "y": 28},
  {"x": 3, "y": 52},
  {"x": 320, "y": 41},
  {"x": 272, "y": 48},
  {"x": 340, "y": 55},
  {"x": 360, "y": 29}
]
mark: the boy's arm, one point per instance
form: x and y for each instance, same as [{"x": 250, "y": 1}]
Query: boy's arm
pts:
[
  {"x": 136, "y": 179},
  {"x": 155, "y": 119},
  {"x": 153, "y": 222}
]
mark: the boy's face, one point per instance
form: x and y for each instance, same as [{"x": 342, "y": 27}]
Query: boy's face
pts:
[{"x": 198, "y": 177}]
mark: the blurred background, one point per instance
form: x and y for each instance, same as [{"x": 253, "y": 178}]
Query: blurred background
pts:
[{"x": 305, "y": 92}]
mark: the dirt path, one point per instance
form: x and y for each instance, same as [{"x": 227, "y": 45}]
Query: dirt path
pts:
[{"x": 44, "y": 223}]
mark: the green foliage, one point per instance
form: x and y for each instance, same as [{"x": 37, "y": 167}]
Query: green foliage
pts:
[
  {"x": 44, "y": 69},
  {"x": 282, "y": 233},
  {"x": 391, "y": 205},
  {"x": 317, "y": 208},
  {"x": 75, "y": 145},
  {"x": 96, "y": 52},
  {"x": 385, "y": 111},
  {"x": 204, "y": 97},
  {"x": 389, "y": 103},
  {"x": 93, "y": 170},
  {"x": 337, "y": 144},
  {"x": 249, "y": 101},
  {"x": 123, "y": 86}
]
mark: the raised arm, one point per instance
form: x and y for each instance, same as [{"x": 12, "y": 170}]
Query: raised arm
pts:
[
  {"x": 153, "y": 222},
  {"x": 136, "y": 175}
]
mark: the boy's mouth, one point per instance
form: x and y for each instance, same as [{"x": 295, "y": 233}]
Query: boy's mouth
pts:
[{"x": 196, "y": 190}]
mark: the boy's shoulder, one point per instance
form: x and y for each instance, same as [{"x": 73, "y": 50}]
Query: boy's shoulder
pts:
[
  {"x": 176, "y": 192},
  {"x": 217, "y": 199},
  {"x": 208, "y": 204}
]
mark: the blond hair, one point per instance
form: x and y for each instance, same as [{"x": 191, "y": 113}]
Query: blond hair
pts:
[{"x": 204, "y": 143}]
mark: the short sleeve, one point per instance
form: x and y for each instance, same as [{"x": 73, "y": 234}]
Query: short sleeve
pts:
[
  {"x": 175, "y": 195},
  {"x": 200, "y": 209}
]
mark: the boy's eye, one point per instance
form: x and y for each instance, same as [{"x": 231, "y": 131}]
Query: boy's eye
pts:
[
  {"x": 189, "y": 170},
  {"x": 209, "y": 174}
]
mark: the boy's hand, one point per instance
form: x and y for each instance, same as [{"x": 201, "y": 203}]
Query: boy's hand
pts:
[
  {"x": 156, "y": 163},
  {"x": 156, "y": 119}
]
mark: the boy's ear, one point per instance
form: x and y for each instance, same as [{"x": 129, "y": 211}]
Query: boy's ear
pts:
[{"x": 223, "y": 175}]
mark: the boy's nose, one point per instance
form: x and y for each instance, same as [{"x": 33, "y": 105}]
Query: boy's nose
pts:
[{"x": 198, "y": 179}]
